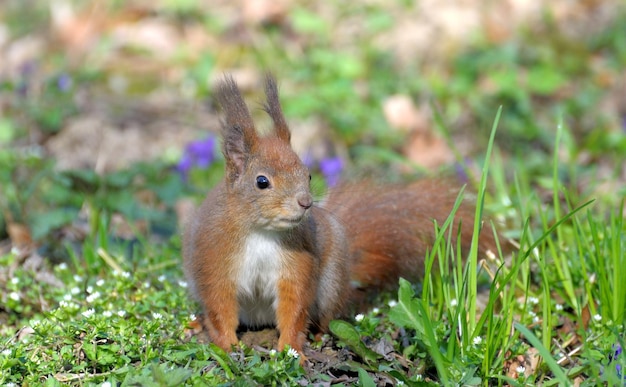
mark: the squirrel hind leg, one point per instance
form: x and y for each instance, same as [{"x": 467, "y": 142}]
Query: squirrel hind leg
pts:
[{"x": 223, "y": 338}]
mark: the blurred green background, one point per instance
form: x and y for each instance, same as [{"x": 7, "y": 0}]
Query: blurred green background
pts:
[{"x": 102, "y": 101}]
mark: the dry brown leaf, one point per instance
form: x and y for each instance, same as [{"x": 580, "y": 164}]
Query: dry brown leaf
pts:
[
  {"x": 266, "y": 338},
  {"x": 24, "y": 333},
  {"x": 428, "y": 150},
  {"x": 152, "y": 34},
  {"x": 26, "y": 49},
  {"x": 401, "y": 113},
  {"x": 532, "y": 359},
  {"x": 265, "y": 11},
  {"x": 76, "y": 30},
  {"x": 20, "y": 237},
  {"x": 424, "y": 147}
]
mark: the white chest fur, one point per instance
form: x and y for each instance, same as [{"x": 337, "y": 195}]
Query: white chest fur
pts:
[{"x": 257, "y": 286}]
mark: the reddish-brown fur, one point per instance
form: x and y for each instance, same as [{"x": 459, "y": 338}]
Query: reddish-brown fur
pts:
[
  {"x": 392, "y": 227},
  {"x": 304, "y": 257}
]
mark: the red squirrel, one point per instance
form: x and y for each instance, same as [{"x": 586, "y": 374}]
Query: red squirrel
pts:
[{"x": 261, "y": 252}]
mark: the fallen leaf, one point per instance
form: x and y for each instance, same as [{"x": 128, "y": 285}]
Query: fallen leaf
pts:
[
  {"x": 401, "y": 113},
  {"x": 20, "y": 237},
  {"x": 428, "y": 150},
  {"x": 265, "y": 11}
]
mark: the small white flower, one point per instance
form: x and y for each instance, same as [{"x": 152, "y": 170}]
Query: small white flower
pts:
[
  {"x": 106, "y": 384},
  {"x": 77, "y": 278},
  {"x": 597, "y": 317},
  {"x": 15, "y": 280},
  {"x": 67, "y": 297},
  {"x": 536, "y": 319},
  {"x": 399, "y": 383},
  {"x": 121, "y": 313},
  {"x": 418, "y": 377},
  {"x": 161, "y": 278},
  {"x": 126, "y": 274},
  {"x": 89, "y": 289},
  {"x": 392, "y": 303},
  {"x": 62, "y": 266},
  {"x": 375, "y": 310},
  {"x": 107, "y": 313},
  {"x": 558, "y": 307},
  {"x": 92, "y": 297},
  {"x": 533, "y": 300},
  {"x": 192, "y": 317},
  {"x": 453, "y": 302},
  {"x": 293, "y": 353},
  {"x": 536, "y": 252},
  {"x": 14, "y": 296},
  {"x": 147, "y": 285},
  {"x": 272, "y": 352},
  {"x": 6, "y": 352},
  {"x": 359, "y": 317},
  {"x": 100, "y": 282},
  {"x": 116, "y": 273},
  {"x": 75, "y": 290},
  {"x": 64, "y": 304},
  {"x": 157, "y": 316},
  {"x": 88, "y": 313},
  {"x": 182, "y": 284},
  {"x": 520, "y": 369},
  {"x": 477, "y": 340}
]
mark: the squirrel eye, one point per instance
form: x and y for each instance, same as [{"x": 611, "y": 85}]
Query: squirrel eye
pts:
[{"x": 262, "y": 182}]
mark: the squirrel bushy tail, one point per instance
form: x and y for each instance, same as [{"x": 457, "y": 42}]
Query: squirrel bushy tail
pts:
[{"x": 390, "y": 228}]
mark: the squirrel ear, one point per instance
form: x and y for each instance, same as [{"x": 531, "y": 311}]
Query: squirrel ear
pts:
[
  {"x": 237, "y": 128},
  {"x": 272, "y": 107}
]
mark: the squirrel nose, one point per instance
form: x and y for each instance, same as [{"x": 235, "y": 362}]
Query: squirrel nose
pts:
[{"x": 305, "y": 200}]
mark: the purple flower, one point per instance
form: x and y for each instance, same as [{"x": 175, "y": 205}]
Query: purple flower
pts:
[
  {"x": 202, "y": 152},
  {"x": 617, "y": 351},
  {"x": 331, "y": 168},
  {"x": 618, "y": 366},
  {"x": 64, "y": 82},
  {"x": 308, "y": 160},
  {"x": 460, "y": 172},
  {"x": 199, "y": 154},
  {"x": 184, "y": 165},
  {"x": 27, "y": 69}
]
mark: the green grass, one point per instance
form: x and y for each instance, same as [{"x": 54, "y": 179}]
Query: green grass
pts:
[
  {"x": 125, "y": 320},
  {"x": 110, "y": 306}
]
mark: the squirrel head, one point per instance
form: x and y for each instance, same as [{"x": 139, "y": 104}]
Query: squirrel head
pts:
[{"x": 263, "y": 173}]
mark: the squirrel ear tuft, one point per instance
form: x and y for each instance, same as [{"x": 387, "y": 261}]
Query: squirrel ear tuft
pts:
[
  {"x": 237, "y": 127},
  {"x": 272, "y": 107}
]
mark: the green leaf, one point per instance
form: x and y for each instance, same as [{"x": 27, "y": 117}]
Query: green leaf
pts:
[
  {"x": 169, "y": 377},
  {"x": 7, "y": 131},
  {"x": 365, "y": 380},
  {"x": 43, "y": 223},
  {"x": 545, "y": 80},
  {"x": 406, "y": 313},
  {"x": 349, "y": 335},
  {"x": 308, "y": 22}
]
